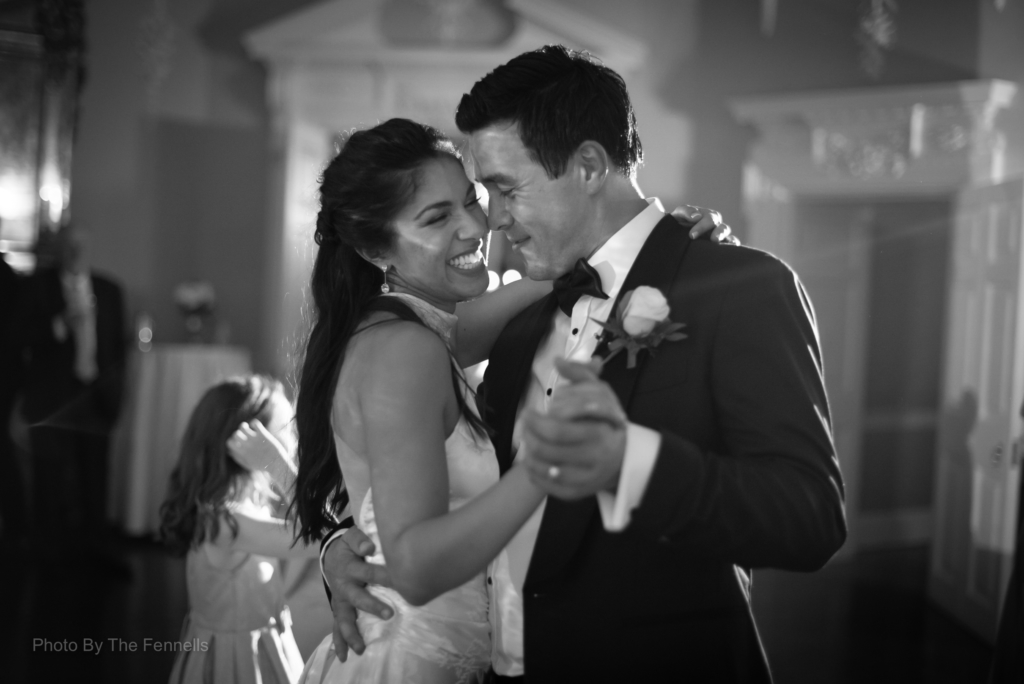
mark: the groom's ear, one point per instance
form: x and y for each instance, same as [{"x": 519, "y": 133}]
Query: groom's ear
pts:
[{"x": 592, "y": 165}]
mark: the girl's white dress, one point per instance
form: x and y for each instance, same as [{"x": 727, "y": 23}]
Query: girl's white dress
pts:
[{"x": 238, "y": 628}]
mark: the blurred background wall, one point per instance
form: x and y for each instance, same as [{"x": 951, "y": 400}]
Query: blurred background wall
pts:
[
  {"x": 170, "y": 169},
  {"x": 178, "y": 153}
]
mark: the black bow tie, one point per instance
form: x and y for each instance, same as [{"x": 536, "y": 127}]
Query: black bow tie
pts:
[{"x": 581, "y": 280}]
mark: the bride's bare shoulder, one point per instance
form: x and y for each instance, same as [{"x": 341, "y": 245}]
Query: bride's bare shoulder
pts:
[
  {"x": 384, "y": 344},
  {"x": 384, "y": 334},
  {"x": 395, "y": 373}
]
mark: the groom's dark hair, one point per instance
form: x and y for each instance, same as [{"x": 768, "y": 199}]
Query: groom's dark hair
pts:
[{"x": 558, "y": 98}]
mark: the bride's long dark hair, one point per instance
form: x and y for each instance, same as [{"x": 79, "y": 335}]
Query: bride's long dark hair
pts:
[{"x": 374, "y": 175}]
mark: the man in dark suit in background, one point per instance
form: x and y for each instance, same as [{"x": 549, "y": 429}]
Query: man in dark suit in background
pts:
[
  {"x": 76, "y": 341},
  {"x": 12, "y": 484}
]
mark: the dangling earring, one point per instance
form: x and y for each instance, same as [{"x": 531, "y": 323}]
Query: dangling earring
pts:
[{"x": 384, "y": 288}]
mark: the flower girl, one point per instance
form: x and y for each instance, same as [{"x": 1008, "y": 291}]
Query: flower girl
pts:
[{"x": 224, "y": 513}]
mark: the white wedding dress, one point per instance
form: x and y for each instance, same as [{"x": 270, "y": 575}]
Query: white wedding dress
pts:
[{"x": 448, "y": 640}]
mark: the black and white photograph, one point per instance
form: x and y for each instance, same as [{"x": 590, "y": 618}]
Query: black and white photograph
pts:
[{"x": 512, "y": 341}]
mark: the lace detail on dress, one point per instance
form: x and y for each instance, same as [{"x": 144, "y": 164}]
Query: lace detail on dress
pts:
[{"x": 441, "y": 322}]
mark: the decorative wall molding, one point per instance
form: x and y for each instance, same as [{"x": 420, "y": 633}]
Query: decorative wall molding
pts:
[
  {"x": 332, "y": 65},
  {"x": 619, "y": 50},
  {"x": 876, "y": 33},
  {"x": 908, "y": 140},
  {"x": 348, "y": 31}
]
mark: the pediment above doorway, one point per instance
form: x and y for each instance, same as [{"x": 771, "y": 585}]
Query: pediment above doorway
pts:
[{"x": 333, "y": 64}]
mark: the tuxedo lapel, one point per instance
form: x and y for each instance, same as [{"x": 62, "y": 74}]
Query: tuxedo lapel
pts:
[
  {"x": 565, "y": 522},
  {"x": 508, "y": 373},
  {"x": 656, "y": 266}
]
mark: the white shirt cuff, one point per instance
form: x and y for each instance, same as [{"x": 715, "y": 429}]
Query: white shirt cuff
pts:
[
  {"x": 323, "y": 548},
  {"x": 642, "y": 445}
]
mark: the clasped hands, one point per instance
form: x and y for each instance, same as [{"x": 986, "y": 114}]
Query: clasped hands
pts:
[{"x": 576, "y": 448}]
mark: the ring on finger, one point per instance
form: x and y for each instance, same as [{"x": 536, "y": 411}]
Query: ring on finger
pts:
[{"x": 554, "y": 472}]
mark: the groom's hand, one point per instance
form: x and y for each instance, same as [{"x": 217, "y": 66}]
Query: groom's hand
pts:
[
  {"x": 347, "y": 574},
  {"x": 576, "y": 448}
]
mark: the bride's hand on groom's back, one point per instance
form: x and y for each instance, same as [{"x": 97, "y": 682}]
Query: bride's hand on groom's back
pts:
[
  {"x": 704, "y": 223},
  {"x": 347, "y": 575}
]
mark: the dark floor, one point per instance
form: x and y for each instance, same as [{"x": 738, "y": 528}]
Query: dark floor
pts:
[
  {"x": 58, "y": 618},
  {"x": 865, "y": 621}
]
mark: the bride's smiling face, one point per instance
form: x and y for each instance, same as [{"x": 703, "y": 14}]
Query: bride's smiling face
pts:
[{"x": 440, "y": 238}]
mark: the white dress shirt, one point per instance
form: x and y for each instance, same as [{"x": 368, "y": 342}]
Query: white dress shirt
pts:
[
  {"x": 575, "y": 338},
  {"x": 81, "y": 309}
]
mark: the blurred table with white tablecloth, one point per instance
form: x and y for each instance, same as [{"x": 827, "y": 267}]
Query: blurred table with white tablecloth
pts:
[{"x": 164, "y": 385}]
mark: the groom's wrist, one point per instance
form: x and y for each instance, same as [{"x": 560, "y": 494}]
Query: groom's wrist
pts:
[
  {"x": 343, "y": 527},
  {"x": 642, "y": 446},
  {"x": 334, "y": 536}
]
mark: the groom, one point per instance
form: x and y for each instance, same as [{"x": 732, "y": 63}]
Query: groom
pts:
[{"x": 676, "y": 469}]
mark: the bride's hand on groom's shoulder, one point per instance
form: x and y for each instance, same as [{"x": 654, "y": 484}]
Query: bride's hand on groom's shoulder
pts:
[
  {"x": 347, "y": 574},
  {"x": 704, "y": 223}
]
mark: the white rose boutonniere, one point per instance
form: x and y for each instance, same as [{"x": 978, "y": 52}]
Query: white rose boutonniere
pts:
[
  {"x": 642, "y": 310},
  {"x": 640, "y": 322}
]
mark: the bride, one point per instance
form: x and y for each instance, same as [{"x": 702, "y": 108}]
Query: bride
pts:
[{"x": 386, "y": 420}]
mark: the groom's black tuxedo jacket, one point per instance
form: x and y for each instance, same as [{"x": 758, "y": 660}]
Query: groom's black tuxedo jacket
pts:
[{"x": 746, "y": 476}]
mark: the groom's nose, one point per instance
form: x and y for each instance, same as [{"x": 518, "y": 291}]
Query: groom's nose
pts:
[{"x": 498, "y": 217}]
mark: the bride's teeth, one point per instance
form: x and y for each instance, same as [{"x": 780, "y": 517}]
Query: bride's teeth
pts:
[{"x": 466, "y": 260}]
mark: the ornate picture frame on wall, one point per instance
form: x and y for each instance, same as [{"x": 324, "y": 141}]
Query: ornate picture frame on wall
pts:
[{"x": 42, "y": 71}]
